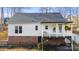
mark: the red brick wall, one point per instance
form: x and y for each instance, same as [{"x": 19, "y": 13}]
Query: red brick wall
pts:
[
  {"x": 27, "y": 40},
  {"x": 33, "y": 40}
]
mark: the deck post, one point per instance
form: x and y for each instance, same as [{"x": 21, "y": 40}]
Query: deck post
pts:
[
  {"x": 72, "y": 38},
  {"x": 42, "y": 39},
  {"x": 72, "y": 46}
]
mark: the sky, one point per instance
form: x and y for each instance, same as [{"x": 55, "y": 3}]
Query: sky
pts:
[{"x": 7, "y": 11}]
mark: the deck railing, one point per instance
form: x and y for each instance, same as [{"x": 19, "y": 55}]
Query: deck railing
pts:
[{"x": 66, "y": 33}]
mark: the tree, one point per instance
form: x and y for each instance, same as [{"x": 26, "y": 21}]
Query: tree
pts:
[
  {"x": 2, "y": 18},
  {"x": 13, "y": 10},
  {"x": 19, "y": 9},
  {"x": 2, "y": 14},
  {"x": 77, "y": 17},
  {"x": 45, "y": 9}
]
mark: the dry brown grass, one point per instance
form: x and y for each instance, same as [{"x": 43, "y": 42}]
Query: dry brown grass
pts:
[
  {"x": 75, "y": 32},
  {"x": 17, "y": 49},
  {"x": 3, "y": 35},
  {"x": 4, "y": 32}
]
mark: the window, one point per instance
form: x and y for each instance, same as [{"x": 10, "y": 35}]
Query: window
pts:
[
  {"x": 54, "y": 29},
  {"x": 36, "y": 27},
  {"x": 46, "y": 27},
  {"x": 20, "y": 29},
  {"x": 16, "y": 29},
  {"x": 60, "y": 27}
]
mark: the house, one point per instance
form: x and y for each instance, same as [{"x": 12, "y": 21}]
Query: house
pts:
[{"x": 33, "y": 28}]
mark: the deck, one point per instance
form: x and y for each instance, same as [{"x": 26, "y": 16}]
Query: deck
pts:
[{"x": 57, "y": 34}]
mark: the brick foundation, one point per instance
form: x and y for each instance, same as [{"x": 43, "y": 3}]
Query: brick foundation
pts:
[
  {"x": 26, "y": 40},
  {"x": 33, "y": 40}
]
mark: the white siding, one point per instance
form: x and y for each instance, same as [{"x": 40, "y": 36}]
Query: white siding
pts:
[
  {"x": 50, "y": 27},
  {"x": 27, "y": 29}
]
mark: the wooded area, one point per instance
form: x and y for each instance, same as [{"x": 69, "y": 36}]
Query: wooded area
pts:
[{"x": 67, "y": 12}]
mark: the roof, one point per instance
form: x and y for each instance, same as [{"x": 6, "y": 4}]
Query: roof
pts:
[{"x": 21, "y": 18}]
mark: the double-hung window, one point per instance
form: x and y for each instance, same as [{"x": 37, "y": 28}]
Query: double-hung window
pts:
[
  {"x": 60, "y": 28},
  {"x": 54, "y": 28},
  {"x": 18, "y": 29}
]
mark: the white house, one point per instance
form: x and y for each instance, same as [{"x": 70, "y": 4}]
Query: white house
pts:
[{"x": 29, "y": 28}]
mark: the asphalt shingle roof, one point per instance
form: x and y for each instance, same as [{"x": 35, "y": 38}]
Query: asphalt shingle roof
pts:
[{"x": 21, "y": 18}]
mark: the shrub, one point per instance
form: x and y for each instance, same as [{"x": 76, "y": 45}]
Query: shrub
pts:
[
  {"x": 40, "y": 46},
  {"x": 0, "y": 44},
  {"x": 67, "y": 28}
]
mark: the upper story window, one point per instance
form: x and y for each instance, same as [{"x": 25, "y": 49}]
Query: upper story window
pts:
[
  {"x": 36, "y": 27},
  {"x": 18, "y": 29},
  {"x": 46, "y": 27},
  {"x": 60, "y": 27}
]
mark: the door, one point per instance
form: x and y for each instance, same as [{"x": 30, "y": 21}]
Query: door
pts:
[{"x": 39, "y": 39}]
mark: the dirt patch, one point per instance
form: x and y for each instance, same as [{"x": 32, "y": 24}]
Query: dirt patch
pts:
[{"x": 17, "y": 49}]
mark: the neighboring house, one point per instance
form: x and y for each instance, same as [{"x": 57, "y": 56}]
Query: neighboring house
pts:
[{"x": 33, "y": 28}]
